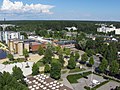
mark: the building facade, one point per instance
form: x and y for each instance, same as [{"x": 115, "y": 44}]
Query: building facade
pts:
[
  {"x": 6, "y": 35},
  {"x": 111, "y": 28}
]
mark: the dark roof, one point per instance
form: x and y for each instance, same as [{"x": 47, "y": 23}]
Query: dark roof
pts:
[{"x": 66, "y": 42}]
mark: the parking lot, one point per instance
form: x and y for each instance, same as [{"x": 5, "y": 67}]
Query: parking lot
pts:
[{"x": 87, "y": 82}]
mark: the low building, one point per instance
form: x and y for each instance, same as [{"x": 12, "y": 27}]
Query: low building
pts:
[
  {"x": 16, "y": 46},
  {"x": 71, "y": 28},
  {"x": 106, "y": 29},
  {"x": 40, "y": 39},
  {"x": 34, "y": 46},
  {"x": 66, "y": 43},
  {"x": 117, "y": 31}
]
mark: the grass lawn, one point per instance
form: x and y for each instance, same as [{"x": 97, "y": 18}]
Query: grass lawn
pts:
[
  {"x": 73, "y": 78},
  {"x": 76, "y": 70}
]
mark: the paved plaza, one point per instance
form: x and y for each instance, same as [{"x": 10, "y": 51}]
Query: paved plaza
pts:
[
  {"x": 26, "y": 71},
  {"x": 87, "y": 82},
  {"x": 109, "y": 85}
]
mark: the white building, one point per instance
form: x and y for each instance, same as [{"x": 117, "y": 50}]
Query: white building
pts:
[
  {"x": 117, "y": 31},
  {"x": 71, "y": 28},
  {"x": 38, "y": 38},
  {"x": 106, "y": 29},
  {"x": 6, "y": 35}
]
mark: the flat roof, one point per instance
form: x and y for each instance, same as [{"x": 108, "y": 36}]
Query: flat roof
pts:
[{"x": 36, "y": 43}]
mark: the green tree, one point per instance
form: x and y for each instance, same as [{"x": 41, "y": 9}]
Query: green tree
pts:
[
  {"x": 61, "y": 58},
  {"x": 82, "y": 44},
  {"x": 17, "y": 73},
  {"x": 111, "y": 52},
  {"x": 77, "y": 55},
  {"x": 90, "y": 52},
  {"x": 47, "y": 68},
  {"x": 9, "y": 82},
  {"x": 84, "y": 58},
  {"x": 25, "y": 53},
  {"x": 67, "y": 51},
  {"x": 81, "y": 41},
  {"x": 90, "y": 44},
  {"x": 103, "y": 65},
  {"x": 48, "y": 55},
  {"x": 114, "y": 67},
  {"x": 55, "y": 69},
  {"x": 71, "y": 62},
  {"x": 57, "y": 49},
  {"x": 80, "y": 37},
  {"x": 10, "y": 56},
  {"x": 35, "y": 69},
  {"x": 41, "y": 50},
  {"x": 91, "y": 61}
]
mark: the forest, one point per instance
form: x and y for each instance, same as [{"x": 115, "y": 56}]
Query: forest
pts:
[{"x": 33, "y": 25}]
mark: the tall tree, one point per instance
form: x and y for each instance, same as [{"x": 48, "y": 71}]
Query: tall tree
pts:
[
  {"x": 17, "y": 73},
  {"x": 84, "y": 58},
  {"x": 114, "y": 67},
  {"x": 9, "y": 82},
  {"x": 55, "y": 69},
  {"x": 90, "y": 44},
  {"x": 35, "y": 69},
  {"x": 77, "y": 55},
  {"x": 71, "y": 62},
  {"x": 82, "y": 44},
  {"x": 61, "y": 59},
  {"x": 48, "y": 55},
  {"x": 47, "y": 68},
  {"x": 111, "y": 53},
  {"x": 66, "y": 51},
  {"x": 90, "y": 52},
  {"x": 103, "y": 65},
  {"x": 91, "y": 61}
]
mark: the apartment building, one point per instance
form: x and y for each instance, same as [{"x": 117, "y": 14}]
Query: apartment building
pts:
[{"x": 6, "y": 35}]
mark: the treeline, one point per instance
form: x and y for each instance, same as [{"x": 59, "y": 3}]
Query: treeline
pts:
[{"x": 85, "y": 26}]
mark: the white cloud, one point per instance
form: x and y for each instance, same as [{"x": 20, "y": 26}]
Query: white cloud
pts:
[{"x": 19, "y": 7}]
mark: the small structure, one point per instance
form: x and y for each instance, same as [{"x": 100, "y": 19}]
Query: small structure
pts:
[{"x": 95, "y": 82}]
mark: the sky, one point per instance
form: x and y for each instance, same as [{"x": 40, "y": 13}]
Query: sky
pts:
[{"x": 100, "y": 10}]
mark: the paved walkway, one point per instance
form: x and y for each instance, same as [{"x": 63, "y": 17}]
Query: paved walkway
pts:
[
  {"x": 64, "y": 77},
  {"x": 109, "y": 85},
  {"x": 8, "y": 67}
]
